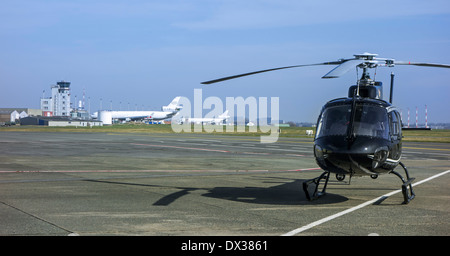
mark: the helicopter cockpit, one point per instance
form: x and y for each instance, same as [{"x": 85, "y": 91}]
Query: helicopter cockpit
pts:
[{"x": 370, "y": 120}]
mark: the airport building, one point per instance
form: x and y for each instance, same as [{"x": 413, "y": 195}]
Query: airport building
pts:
[
  {"x": 59, "y": 103},
  {"x": 59, "y": 121},
  {"x": 13, "y": 115},
  {"x": 55, "y": 111}
]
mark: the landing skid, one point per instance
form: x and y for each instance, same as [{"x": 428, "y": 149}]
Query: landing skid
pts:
[
  {"x": 406, "y": 183},
  {"x": 315, "y": 186},
  {"x": 311, "y": 187}
]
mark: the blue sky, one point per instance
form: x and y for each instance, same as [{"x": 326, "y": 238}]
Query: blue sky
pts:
[{"x": 144, "y": 53}]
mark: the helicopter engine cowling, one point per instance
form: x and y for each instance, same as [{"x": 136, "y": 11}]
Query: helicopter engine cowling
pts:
[{"x": 372, "y": 91}]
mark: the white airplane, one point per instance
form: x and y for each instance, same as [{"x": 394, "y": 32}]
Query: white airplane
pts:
[
  {"x": 215, "y": 120},
  {"x": 167, "y": 112}
]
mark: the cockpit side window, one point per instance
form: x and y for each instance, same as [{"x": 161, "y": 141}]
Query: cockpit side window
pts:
[{"x": 396, "y": 123}]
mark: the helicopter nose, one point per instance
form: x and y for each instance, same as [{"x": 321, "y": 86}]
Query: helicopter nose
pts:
[{"x": 320, "y": 155}]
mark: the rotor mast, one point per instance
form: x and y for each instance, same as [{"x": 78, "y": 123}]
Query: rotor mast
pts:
[{"x": 369, "y": 62}]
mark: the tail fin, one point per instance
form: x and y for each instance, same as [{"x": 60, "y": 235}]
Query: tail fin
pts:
[
  {"x": 173, "y": 106},
  {"x": 224, "y": 115}
]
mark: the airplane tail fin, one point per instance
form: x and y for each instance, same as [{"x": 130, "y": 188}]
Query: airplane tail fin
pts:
[
  {"x": 224, "y": 115},
  {"x": 173, "y": 106}
]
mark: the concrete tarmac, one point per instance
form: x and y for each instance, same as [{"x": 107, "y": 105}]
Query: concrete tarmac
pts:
[{"x": 193, "y": 184}]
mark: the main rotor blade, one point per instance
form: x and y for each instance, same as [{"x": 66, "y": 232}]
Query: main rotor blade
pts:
[
  {"x": 436, "y": 65},
  {"x": 267, "y": 70},
  {"x": 343, "y": 68}
]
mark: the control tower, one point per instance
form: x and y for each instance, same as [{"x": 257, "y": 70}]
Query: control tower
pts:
[{"x": 59, "y": 103}]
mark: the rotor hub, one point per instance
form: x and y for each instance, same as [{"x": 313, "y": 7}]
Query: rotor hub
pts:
[{"x": 366, "y": 56}]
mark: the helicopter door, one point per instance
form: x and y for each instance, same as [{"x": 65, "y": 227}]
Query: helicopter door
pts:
[
  {"x": 396, "y": 135},
  {"x": 395, "y": 125}
]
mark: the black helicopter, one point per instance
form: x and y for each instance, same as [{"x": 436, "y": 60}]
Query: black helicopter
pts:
[{"x": 360, "y": 135}]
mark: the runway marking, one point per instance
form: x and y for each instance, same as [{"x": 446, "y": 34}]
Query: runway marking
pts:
[
  {"x": 164, "y": 171},
  {"x": 226, "y": 138},
  {"x": 255, "y": 153},
  {"x": 339, "y": 214},
  {"x": 427, "y": 153},
  {"x": 253, "y": 147},
  {"x": 153, "y": 174},
  {"x": 167, "y": 146},
  {"x": 221, "y": 151},
  {"x": 438, "y": 149}
]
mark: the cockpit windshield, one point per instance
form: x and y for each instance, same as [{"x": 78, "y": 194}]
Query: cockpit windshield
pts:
[{"x": 370, "y": 120}]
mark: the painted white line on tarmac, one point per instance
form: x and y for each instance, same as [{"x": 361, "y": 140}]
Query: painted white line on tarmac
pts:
[{"x": 339, "y": 214}]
